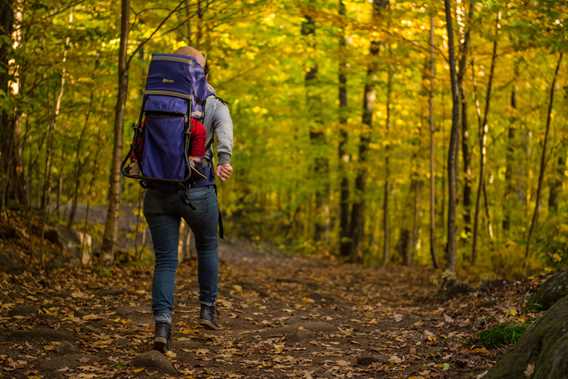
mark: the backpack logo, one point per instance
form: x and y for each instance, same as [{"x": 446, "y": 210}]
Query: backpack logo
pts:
[{"x": 168, "y": 81}]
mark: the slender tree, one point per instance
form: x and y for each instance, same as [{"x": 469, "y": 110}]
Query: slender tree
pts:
[
  {"x": 482, "y": 139},
  {"x": 464, "y": 48},
  {"x": 50, "y": 146},
  {"x": 542, "y": 167},
  {"x": 188, "y": 21},
  {"x": 387, "y": 173},
  {"x": 320, "y": 163},
  {"x": 79, "y": 163},
  {"x": 343, "y": 155},
  {"x": 199, "y": 33},
  {"x": 555, "y": 184},
  {"x": 358, "y": 207},
  {"x": 510, "y": 153},
  {"x": 111, "y": 225},
  {"x": 432, "y": 129},
  {"x": 452, "y": 151}
]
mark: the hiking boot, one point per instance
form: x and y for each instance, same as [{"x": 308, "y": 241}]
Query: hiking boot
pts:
[
  {"x": 208, "y": 317},
  {"x": 162, "y": 337}
]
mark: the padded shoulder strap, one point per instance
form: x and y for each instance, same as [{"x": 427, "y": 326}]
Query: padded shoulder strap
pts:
[{"x": 220, "y": 99}]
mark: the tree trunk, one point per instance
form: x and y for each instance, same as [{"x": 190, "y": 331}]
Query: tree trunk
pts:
[
  {"x": 416, "y": 189},
  {"x": 343, "y": 155},
  {"x": 50, "y": 145},
  {"x": 199, "y": 33},
  {"x": 79, "y": 163},
  {"x": 452, "y": 151},
  {"x": 410, "y": 224},
  {"x": 59, "y": 185},
  {"x": 208, "y": 32},
  {"x": 511, "y": 134},
  {"x": 386, "y": 193},
  {"x": 188, "y": 21},
  {"x": 482, "y": 141},
  {"x": 466, "y": 155},
  {"x": 111, "y": 225},
  {"x": 542, "y": 168},
  {"x": 12, "y": 180},
  {"x": 403, "y": 245},
  {"x": 7, "y": 129},
  {"x": 358, "y": 208},
  {"x": 432, "y": 75},
  {"x": 94, "y": 170},
  {"x": 555, "y": 186},
  {"x": 320, "y": 164}
]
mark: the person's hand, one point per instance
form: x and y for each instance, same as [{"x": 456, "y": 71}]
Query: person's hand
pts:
[{"x": 224, "y": 171}]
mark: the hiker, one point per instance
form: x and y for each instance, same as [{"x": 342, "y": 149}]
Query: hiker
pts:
[{"x": 166, "y": 204}]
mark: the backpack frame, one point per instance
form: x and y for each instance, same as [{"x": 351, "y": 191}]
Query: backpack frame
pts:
[{"x": 175, "y": 92}]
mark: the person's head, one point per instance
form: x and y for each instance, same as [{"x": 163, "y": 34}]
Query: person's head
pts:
[{"x": 196, "y": 54}]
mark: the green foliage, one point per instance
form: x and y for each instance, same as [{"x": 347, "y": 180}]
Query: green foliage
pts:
[
  {"x": 502, "y": 334},
  {"x": 259, "y": 59},
  {"x": 552, "y": 243},
  {"x": 509, "y": 262}
]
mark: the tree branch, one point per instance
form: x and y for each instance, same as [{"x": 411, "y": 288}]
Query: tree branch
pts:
[{"x": 143, "y": 42}]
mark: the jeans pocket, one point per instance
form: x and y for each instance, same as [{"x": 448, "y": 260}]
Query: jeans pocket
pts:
[{"x": 200, "y": 199}]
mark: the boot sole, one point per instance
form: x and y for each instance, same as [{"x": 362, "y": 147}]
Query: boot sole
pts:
[
  {"x": 209, "y": 325},
  {"x": 161, "y": 344}
]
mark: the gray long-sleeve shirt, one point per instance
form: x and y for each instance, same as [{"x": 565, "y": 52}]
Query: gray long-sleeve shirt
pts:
[{"x": 219, "y": 125}]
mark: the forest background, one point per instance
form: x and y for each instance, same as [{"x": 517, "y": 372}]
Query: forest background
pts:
[{"x": 414, "y": 132}]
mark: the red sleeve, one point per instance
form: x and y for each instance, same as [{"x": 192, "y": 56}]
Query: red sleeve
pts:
[{"x": 197, "y": 139}]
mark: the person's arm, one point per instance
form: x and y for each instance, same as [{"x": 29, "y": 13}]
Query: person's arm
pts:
[{"x": 223, "y": 128}]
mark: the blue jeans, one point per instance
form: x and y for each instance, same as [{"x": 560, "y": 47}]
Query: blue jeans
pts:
[{"x": 163, "y": 211}]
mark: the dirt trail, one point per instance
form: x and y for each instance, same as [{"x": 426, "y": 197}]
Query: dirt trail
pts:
[{"x": 282, "y": 317}]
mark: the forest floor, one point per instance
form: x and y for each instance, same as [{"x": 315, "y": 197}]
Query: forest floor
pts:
[{"x": 282, "y": 317}]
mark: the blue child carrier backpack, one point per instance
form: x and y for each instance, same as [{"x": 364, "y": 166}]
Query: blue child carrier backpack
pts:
[{"x": 174, "y": 96}]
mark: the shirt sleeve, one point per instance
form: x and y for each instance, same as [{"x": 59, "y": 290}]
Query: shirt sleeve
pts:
[{"x": 223, "y": 128}]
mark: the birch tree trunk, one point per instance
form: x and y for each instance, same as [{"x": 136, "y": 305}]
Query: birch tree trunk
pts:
[{"x": 358, "y": 207}]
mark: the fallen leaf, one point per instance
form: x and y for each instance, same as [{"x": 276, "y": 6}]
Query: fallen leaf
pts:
[
  {"x": 395, "y": 359},
  {"x": 529, "y": 371},
  {"x": 170, "y": 354}
]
